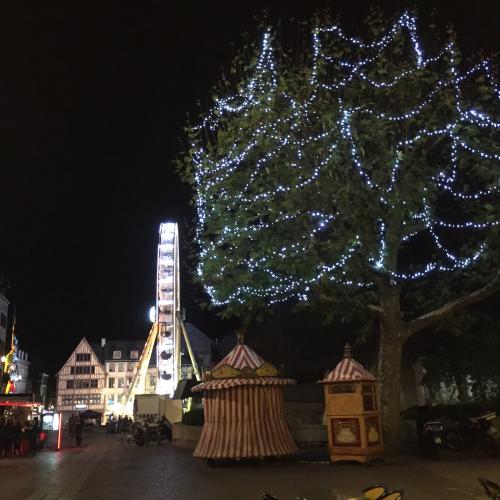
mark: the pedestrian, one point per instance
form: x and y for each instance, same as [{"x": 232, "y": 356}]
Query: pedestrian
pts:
[
  {"x": 71, "y": 425},
  {"x": 18, "y": 434},
  {"x": 33, "y": 435},
  {"x": 78, "y": 429},
  {"x": 10, "y": 435}
]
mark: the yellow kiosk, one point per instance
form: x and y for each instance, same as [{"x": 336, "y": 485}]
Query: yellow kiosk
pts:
[{"x": 351, "y": 411}]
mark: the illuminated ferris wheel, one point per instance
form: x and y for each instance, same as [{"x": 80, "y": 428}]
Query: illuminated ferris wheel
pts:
[{"x": 167, "y": 306}]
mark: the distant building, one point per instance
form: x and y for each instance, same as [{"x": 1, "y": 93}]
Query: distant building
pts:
[
  {"x": 120, "y": 359},
  {"x": 97, "y": 375},
  {"x": 202, "y": 346},
  {"x": 39, "y": 382},
  {"x": 81, "y": 381},
  {"x": 23, "y": 385}
]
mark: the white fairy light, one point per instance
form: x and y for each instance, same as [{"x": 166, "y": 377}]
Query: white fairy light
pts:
[{"x": 304, "y": 169}]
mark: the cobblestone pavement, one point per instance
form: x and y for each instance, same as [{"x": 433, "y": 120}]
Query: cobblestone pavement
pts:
[{"x": 108, "y": 468}]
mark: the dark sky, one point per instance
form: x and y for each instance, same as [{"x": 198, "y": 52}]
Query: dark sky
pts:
[{"x": 93, "y": 101}]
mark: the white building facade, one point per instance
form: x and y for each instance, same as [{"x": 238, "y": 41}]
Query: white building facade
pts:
[{"x": 121, "y": 359}]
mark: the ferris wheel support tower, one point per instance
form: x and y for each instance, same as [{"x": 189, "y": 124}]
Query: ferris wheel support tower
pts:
[{"x": 168, "y": 327}]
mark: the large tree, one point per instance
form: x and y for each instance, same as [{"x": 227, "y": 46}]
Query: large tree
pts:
[{"x": 364, "y": 170}]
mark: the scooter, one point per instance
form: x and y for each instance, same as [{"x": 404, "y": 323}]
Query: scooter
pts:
[
  {"x": 474, "y": 432},
  {"x": 432, "y": 439}
]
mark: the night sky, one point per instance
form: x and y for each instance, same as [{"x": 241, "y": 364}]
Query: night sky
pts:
[{"x": 93, "y": 101}]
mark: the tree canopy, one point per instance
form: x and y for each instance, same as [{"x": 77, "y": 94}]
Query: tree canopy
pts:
[
  {"x": 355, "y": 160},
  {"x": 366, "y": 170}
]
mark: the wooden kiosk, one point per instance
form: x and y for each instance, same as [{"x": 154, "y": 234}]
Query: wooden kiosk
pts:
[{"x": 351, "y": 411}]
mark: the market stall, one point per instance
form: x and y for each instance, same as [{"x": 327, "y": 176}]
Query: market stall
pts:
[{"x": 243, "y": 404}]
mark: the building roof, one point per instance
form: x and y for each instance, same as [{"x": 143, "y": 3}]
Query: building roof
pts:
[
  {"x": 105, "y": 354},
  {"x": 348, "y": 370},
  {"x": 201, "y": 344}
]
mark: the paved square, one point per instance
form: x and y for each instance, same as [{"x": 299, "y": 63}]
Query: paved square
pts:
[{"x": 109, "y": 468}]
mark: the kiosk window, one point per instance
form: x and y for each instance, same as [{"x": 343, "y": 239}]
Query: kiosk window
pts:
[{"x": 369, "y": 398}]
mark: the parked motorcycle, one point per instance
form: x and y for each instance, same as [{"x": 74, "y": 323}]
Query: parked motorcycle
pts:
[
  {"x": 474, "y": 432},
  {"x": 432, "y": 439},
  {"x": 152, "y": 430}
]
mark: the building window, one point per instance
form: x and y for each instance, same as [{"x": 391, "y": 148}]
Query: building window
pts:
[
  {"x": 82, "y": 384},
  {"x": 134, "y": 354},
  {"x": 82, "y": 370},
  {"x": 369, "y": 399},
  {"x": 69, "y": 384},
  {"x": 152, "y": 380},
  {"x": 83, "y": 356},
  {"x": 117, "y": 355},
  {"x": 121, "y": 383},
  {"x": 3, "y": 320},
  {"x": 111, "y": 367},
  {"x": 93, "y": 383},
  {"x": 111, "y": 382},
  {"x": 81, "y": 399},
  {"x": 67, "y": 400},
  {"x": 129, "y": 381},
  {"x": 94, "y": 399},
  {"x": 111, "y": 399},
  {"x": 130, "y": 367}
]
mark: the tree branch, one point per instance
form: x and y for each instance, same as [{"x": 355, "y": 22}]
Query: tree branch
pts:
[
  {"x": 377, "y": 310},
  {"x": 442, "y": 312}
]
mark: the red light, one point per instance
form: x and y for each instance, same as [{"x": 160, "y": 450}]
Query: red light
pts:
[
  {"x": 17, "y": 403},
  {"x": 59, "y": 431}
]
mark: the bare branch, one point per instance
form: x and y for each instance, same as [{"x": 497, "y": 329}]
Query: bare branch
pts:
[{"x": 442, "y": 312}]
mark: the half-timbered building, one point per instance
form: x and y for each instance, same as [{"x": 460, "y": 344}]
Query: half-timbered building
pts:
[{"x": 81, "y": 381}]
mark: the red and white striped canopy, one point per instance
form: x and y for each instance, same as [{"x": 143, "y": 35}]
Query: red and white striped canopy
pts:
[
  {"x": 348, "y": 370},
  {"x": 224, "y": 383},
  {"x": 242, "y": 357}
]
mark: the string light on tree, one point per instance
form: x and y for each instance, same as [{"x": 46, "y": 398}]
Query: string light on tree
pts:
[{"x": 253, "y": 186}]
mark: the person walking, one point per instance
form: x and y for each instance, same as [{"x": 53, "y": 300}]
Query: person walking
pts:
[
  {"x": 33, "y": 435},
  {"x": 78, "y": 429},
  {"x": 71, "y": 425}
]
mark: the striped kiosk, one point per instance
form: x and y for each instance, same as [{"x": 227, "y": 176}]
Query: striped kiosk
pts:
[
  {"x": 244, "y": 415},
  {"x": 353, "y": 418}
]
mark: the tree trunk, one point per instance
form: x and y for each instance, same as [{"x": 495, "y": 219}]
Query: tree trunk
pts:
[
  {"x": 392, "y": 338},
  {"x": 393, "y": 334},
  {"x": 462, "y": 388}
]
